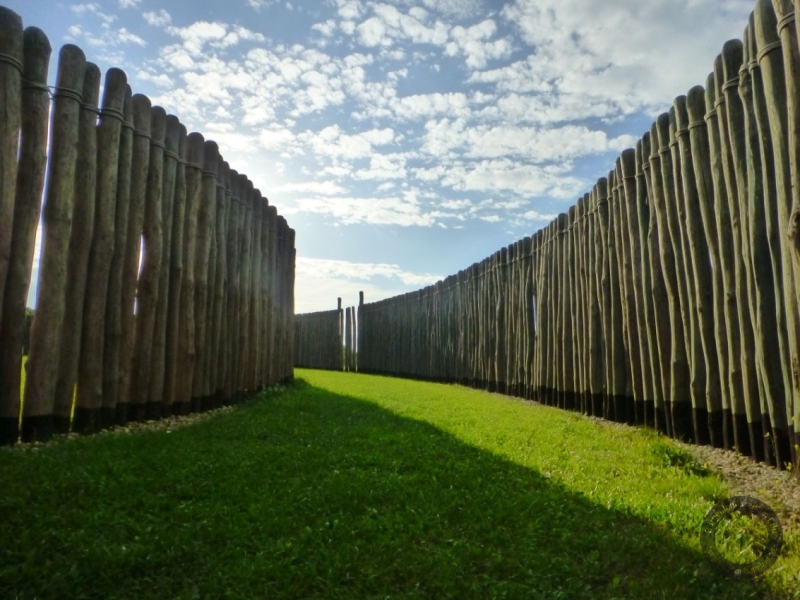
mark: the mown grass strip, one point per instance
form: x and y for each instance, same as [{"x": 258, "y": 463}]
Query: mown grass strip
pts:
[{"x": 351, "y": 486}]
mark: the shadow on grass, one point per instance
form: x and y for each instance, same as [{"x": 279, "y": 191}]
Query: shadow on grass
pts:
[{"x": 310, "y": 494}]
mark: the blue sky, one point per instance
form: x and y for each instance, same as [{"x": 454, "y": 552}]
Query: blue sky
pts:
[{"x": 405, "y": 139}]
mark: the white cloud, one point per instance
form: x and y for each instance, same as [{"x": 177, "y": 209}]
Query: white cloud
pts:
[
  {"x": 349, "y": 9},
  {"x": 125, "y": 36},
  {"x": 217, "y": 35},
  {"x": 578, "y": 48},
  {"x": 326, "y": 28},
  {"x": 259, "y": 4},
  {"x": 535, "y": 215},
  {"x": 444, "y": 137},
  {"x": 129, "y": 3},
  {"x": 320, "y": 282},
  {"x": 328, "y": 188},
  {"x": 474, "y": 42},
  {"x": 94, "y": 9},
  {"x": 371, "y": 211},
  {"x": 157, "y": 19}
]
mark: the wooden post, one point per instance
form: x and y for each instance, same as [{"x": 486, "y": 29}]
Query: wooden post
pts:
[
  {"x": 104, "y": 339},
  {"x": 700, "y": 135},
  {"x": 651, "y": 272},
  {"x": 186, "y": 334},
  {"x": 596, "y": 303},
  {"x": 568, "y": 389},
  {"x": 631, "y": 368},
  {"x": 140, "y": 164},
  {"x": 761, "y": 192},
  {"x": 217, "y": 356},
  {"x": 678, "y": 400},
  {"x": 637, "y": 327},
  {"x": 150, "y": 260},
  {"x": 264, "y": 356},
  {"x": 255, "y": 293},
  {"x": 786, "y": 11},
  {"x": 205, "y": 232},
  {"x": 177, "y": 274},
  {"x": 707, "y": 413},
  {"x": 88, "y": 415},
  {"x": 722, "y": 215},
  {"x": 11, "y": 70},
  {"x": 83, "y": 218},
  {"x": 735, "y": 178},
  {"x": 340, "y": 341},
  {"x": 245, "y": 287},
  {"x": 155, "y": 395},
  {"x": 771, "y": 52},
  {"x": 27, "y": 208},
  {"x": 45, "y": 342}
]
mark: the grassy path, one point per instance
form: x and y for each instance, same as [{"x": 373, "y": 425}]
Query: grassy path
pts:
[{"x": 353, "y": 486}]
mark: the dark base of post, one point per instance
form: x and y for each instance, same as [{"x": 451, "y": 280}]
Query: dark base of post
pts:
[
  {"x": 700, "y": 426},
  {"x": 37, "y": 429},
  {"x": 649, "y": 414},
  {"x": 597, "y": 405},
  {"x": 9, "y": 431},
  {"x": 121, "y": 414},
  {"x": 569, "y": 400},
  {"x": 137, "y": 412},
  {"x": 638, "y": 413},
  {"x": 741, "y": 434},
  {"x": 61, "y": 424},
  {"x": 85, "y": 420},
  {"x": 682, "y": 421},
  {"x": 153, "y": 411},
  {"x": 660, "y": 418},
  {"x": 630, "y": 410},
  {"x": 166, "y": 410},
  {"x": 197, "y": 404},
  {"x": 107, "y": 418},
  {"x": 715, "y": 429},
  {"x": 727, "y": 429},
  {"x": 780, "y": 447},
  {"x": 756, "y": 441}
]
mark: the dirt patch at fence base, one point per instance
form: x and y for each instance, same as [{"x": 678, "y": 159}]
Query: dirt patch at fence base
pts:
[
  {"x": 168, "y": 424},
  {"x": 779, "y": 489}
]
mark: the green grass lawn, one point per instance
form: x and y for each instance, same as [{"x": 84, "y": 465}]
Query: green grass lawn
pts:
[{"x": 355, "y": 486}]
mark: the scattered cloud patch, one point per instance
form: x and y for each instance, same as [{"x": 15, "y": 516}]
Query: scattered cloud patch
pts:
[{"x": 157, "y": 19}]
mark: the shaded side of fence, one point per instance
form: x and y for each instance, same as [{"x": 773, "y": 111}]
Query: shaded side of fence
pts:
[
  {"x": 326, "y": 339},
  {"x": 667, "y": 295},
  {"x": 165, "y": 279}
]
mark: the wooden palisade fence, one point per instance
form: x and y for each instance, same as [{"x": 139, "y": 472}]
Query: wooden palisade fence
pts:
[
  {"x": 209, "y": 316},
  {"x": 326, "y": 339},
  {"x": 668, "y": 295}
]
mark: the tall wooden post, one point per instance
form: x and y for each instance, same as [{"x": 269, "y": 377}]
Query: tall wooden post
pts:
[
  {"x": 80, "y": 243},
  {"x": 11, "y": 70},
  {"x": 155, "y": 395},
  {"x": 150, "y": 259},
  {"x": 45, "y": 340},
  {"x": 27, "y": 208}
]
